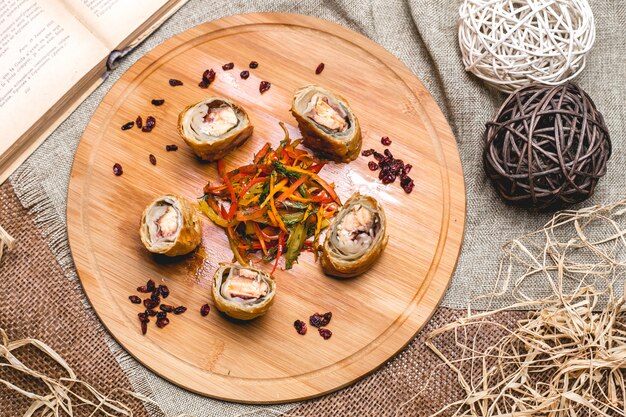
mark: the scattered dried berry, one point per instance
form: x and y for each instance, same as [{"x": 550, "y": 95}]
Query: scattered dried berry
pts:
[
  {"x": 320, "y": 320},
  {"x": 205, "y": 309},
  {"x": 207, "y": 78},
  {"x": 180, "y": 310},
  {"x": 373, "y": 166},
  {"x": 244, "y": 74},
  {"x": 379, "y": 156},
  {"x": 300, "y": 327},
  {"x": 134, "y": 299},
  {"x": 149, "y": 303},
  {"x": 139, "y": 122},
  {"x": 144, "y": 327},
  {"x": 325, "y": 333},
  {"x": 161, "y": 314},
  {"x": 175, "y": 83},
  {"x": 264, "y": 86},
  {"x": 151, "y": 312},
  {"x": 157, "y": 102},
  {"x": 407, "y": 168},
  {"x": 385, "y": 140},
  {"x": 143, "y": 289},
  {"x": 143, "y": 317},
  {"x": 407, "y": 184},
  {"x": 117, "y": 169},
  {"x": 166, "y": 308},
  {"x": 228, "y": 66},
  {"x": 161, "y": 323},
  {"x": 165, "y": 292},
  {"x": 152, "y": 159},
  {"x": 368, "y": 152},
  {"x": 150, "y": 123},
  {"x": 128, "y": 125},
  {"x": 319, "y": 68},
  {"x": 171, "y": 148},
  {"x": 253, "y": 64}
]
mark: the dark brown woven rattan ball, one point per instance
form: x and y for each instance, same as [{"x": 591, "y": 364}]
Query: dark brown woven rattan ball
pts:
[{"x": 547, "y": 147}]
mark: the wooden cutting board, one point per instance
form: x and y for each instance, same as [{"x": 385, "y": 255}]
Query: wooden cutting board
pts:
[{"x": 266, "y": 361}]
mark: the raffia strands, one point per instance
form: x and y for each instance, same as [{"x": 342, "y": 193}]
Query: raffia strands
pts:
[
  {"x": 513, "y": 43},
  {"x": 6, "y": 242},
  {"x": 568, "y": 358},
  {"x": 61, "y": 396}
]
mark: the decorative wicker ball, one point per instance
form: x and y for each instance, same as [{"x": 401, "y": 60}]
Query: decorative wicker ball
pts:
[
  {"x": 514, "y": 43},
  {"x": 547, "y": 147}
]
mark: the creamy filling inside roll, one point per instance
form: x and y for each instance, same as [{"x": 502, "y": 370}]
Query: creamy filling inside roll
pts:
[
  {"x": 356, "y": 231},
  {"x": 213, "y": 120},
  {"x": 327, "y": 113},
  {"x": 243, "y": 286},
  {"x": 163, "y": 223}
]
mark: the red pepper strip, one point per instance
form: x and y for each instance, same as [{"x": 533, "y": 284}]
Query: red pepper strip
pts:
[
  {"x": 224, "y": 213},
  {"x": 259, "y": 156},
  {"x": 317, "y": 168},
  {"x": 292, "y": 188},
  {"x": 321, "y": 199},
  {"x": 266, "y": 236},
  {"x": 331, "y": 192},
  {"x": 281, "y": 242},
  {"x": 220, "y": 167},
  {"x": 233, "y": 198}
]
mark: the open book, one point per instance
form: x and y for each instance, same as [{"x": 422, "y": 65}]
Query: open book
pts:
[{"x": 53, "y": 54}]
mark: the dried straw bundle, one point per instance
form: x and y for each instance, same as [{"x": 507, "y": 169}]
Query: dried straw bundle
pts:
[
  {"x": 568, "y": 358},
  {"x": 6, "y": 241}
]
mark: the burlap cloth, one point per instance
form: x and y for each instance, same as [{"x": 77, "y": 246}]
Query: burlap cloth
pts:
[{"x": 422, "y": 33}]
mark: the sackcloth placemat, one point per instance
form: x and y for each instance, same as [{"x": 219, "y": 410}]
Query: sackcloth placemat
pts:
[{"x": 422, "y": 34}]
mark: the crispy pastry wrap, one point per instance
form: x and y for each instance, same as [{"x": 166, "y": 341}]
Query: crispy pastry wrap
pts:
[
  {"x": 170, "y": 226},
  {"x": 356, "y": 238},
  {"x": 242, "y": 292},
  {"x": 214, "y": 127},
  {"x": 327, "y": 123}
]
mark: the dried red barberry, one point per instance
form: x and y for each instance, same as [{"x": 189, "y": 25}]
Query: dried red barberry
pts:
[
  {"x": 387, "y": 177},
  {"x": 157, "y": 102},
  {"x": 205, "y": 309},
  {"x": 407, "y": 168},
  {"x": 144, "y": 327},
  {"x": 128, "y": 125},
  {"x": 264, "y": 86},
  {"x": 152, "y": 159},
  {"x": 385, "y": 140},
  {"x": 151, "y": 312},
  {"x": 143, "y": 289},
  {"x": 166, "y": 308},
  {"x": 388, "y": 153},
  {"x": 117, "y": 169},
  {"x": 325, "y": 333},
  {"x": 407, "y": 184},
  {"x": 155, "y": 297},
  {"x": 373, "y": 166},
  {"x": 161, "y": 323},
  {"x": 171, "y": 148},
  {"x": 165, "y": 292},
  {"x": 134, "y": 299},
  {"x": 228, "y": 66},
  {"x": 379, "y": 156},
  {"x": 161, "y": 314},
  {"x": 368, "y": 152},
  {"x": 139, "y": 122},
  {"x": 319, "y": 68},
  {"x": 207, "y": 78},
  {"x": 300, "y": 327},
  {"x": 175, "y": 82},
  {"x": 150, "y": 303},
  {"x": 143, "y": 317},
  {"x": 316, "y": 320},
  {"x": 253, "y": 64},
  {"x": 244, "y": 74},
  {"x": 180, "y": 310},
  {"x": 326, "y": 318},
  {"x": 150, "y": 123}
]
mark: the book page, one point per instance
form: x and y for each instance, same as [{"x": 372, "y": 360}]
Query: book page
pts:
[
  {"x": 44, "y": 52},
  {"x": 112, "y": 21}
]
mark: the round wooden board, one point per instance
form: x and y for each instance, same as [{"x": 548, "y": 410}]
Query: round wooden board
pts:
[{"x": 266, "y": 361}]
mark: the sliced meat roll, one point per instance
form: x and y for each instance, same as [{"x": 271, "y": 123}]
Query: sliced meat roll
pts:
[
  {"x": 170, "y": 226},
  {"x": 214, "y": 127},
  {"x": 356, "y": 238},
  {"x": 327, "y": 123},
  {"x": 242, "y": 292}
]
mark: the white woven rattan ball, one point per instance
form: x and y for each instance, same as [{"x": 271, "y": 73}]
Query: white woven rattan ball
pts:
[{"x": 513, "y": 43}]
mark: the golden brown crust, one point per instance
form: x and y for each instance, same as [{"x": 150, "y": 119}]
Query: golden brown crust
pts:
[
  {"x": 212, "y": 151},
  {"x": 188, "y": 237},
  {"x": 338, "y": 147},
  {"x": 336, "y": 264},
  {"x": 237, "y": 310}
]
